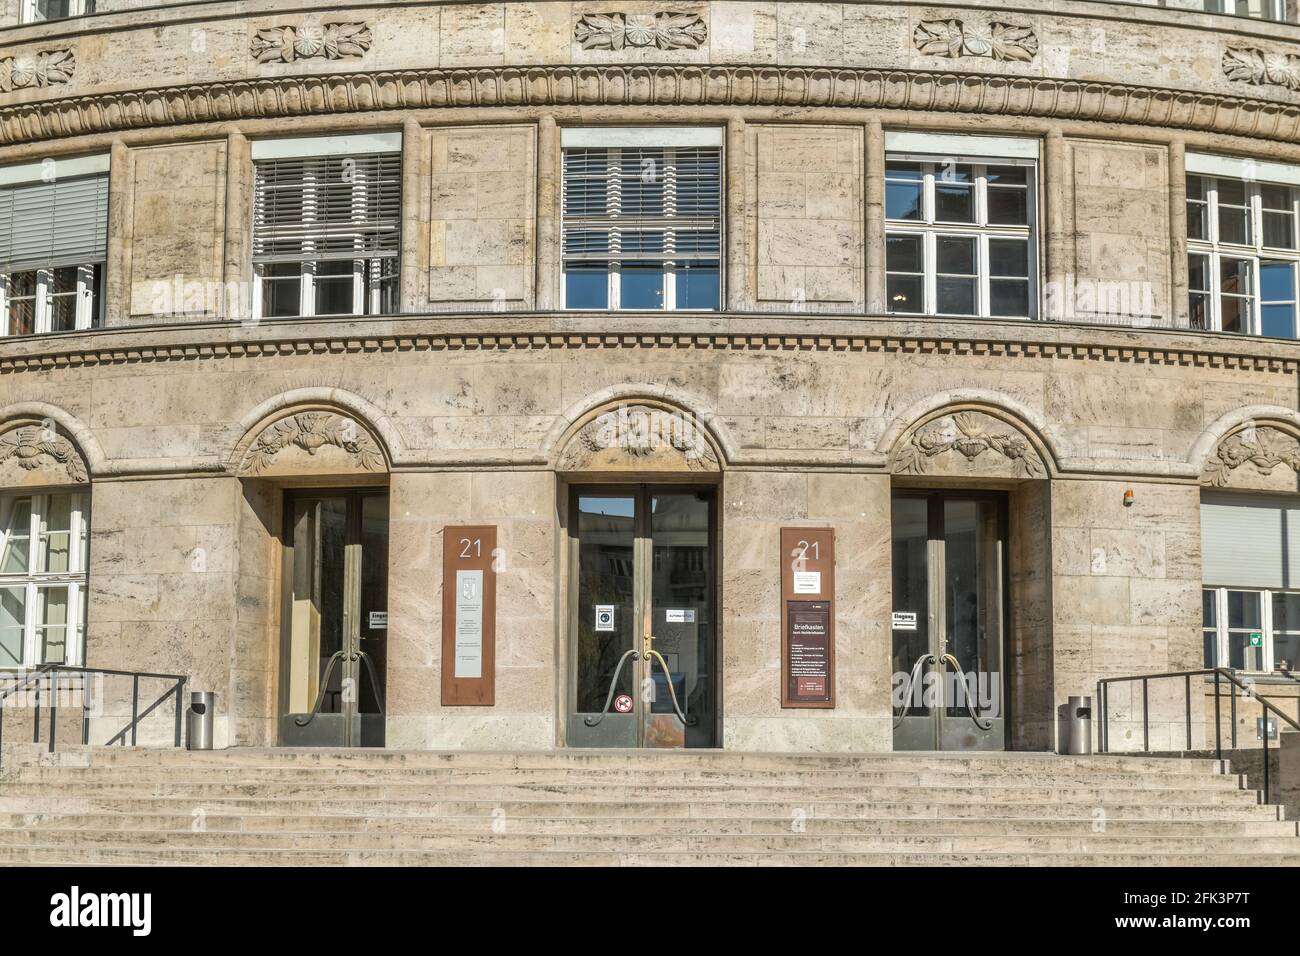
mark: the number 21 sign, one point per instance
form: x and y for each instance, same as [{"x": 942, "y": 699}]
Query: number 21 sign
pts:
[{"x": 469, "y": 606}]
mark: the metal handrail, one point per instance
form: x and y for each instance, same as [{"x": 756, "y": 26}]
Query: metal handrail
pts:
[
  {"x": 1219, "y": 674},
  {"x": 51, "y": 672}
]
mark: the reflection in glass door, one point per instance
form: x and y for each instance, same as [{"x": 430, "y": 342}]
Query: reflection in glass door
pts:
[
  {"x": 643, "y": 669},
  {"x": 949, "y": 621},
  {"x": 336, "y": 619}
]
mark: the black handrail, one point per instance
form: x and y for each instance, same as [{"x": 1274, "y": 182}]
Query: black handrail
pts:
[
  {"x": 49, "y": 673},
  {"x": 1219, "y": 674}
]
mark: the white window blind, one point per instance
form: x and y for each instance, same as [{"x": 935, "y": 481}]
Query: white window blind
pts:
[
  {"x": 1250, "y": 541},
  {"x": 648, "y": 203},
  {"x": 327, "y": 207},
  {"x": 57, "y": 223}
]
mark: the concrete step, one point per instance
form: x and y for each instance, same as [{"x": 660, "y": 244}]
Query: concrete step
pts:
[
  {"x": 624, "y": 778},
  {"x": 483, "y": 823},
  {"x": 920, "y": 805},
  {"x": 659, "y": 842},
  {"x": 41, "y": 855}
]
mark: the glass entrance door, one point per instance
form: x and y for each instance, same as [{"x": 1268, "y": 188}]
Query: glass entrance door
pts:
[
  {"x": 949, "y": 559},
  {"x": 643, "y": 626},
  {"x": 334, "y": 644}
]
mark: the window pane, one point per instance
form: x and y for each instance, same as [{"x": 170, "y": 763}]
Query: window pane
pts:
[
  {"x": 1242, "y": 654},
  {"x": 335, "y": 287},
  {"x": 1198, "y": 272},
  {"x": 1200, "y": 310},
  {"x": 697, "y": 285},
  {"x": 381, "y": 287},
  {"x": 1009, "y": 297},
  {"x": 1276, "y": 197},
  {"x": 953, "y": 201},
  {"x": 1235, "y": 276},
  {"x": 21, "y": 303},
  {"x": 1279, "y": 230},
  {"x": 1209, "y": 608},
  {"x": 63, "y": 299},
  {"x": 641, "y": 286},
  {"x": 903, "y": 254},
  {"x": 586, "y": 287},
  {"x": 1211, "y": 639},
  {"x": 1234, "y": 314},
  {"x": 955, "y": 255},
  {"x": 56, "y": 531},
  {"x": 13, "y": 617},
  {"x": 956, "y": 296},
  {"x": 1277, "y": 321},
  {"x": 1286, "y": 651},
  {"x": 1232, "y": 191},
  {"x": 52, "y": 606},
  {"x": 902, "y": 200},
  {"x": 1008, "y": 257},
  {"x": 1234, "y": 216},
  {"x": 282, "y": 289},
  {"x": 1007, "y": 175},
  {"x": 1008, "y": 207},
  {"x": 1286, "y": 611},
  {"x": 910, "y": 172},
  {"x": 905, "y": 294},
  {"x": 1276, "y": 280},
  {"x": 1243, "y": 609},
  {"x": 18, "y": 529}
]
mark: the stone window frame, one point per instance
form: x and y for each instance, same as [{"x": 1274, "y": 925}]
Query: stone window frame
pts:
[
  {"x": 32, "y": 582},
  {"x": 930, "y": 229},
  {"x": 1207, "y": 252},
  {"x": 1218, "y": 633},
  {"x": 615, "y": 140},
  {"x": 76, "y": 8},
  {"x": 369, "y": 274}
]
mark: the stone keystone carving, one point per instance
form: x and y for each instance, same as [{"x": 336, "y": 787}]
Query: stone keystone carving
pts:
[
  {"x": 1261, "y": 68},
  {"x": 996, "y": 39},
  {"x": 663, "y": 31},
  {"x": 312, "y": 431},
  {"x": 1262, "y": 446},
  {"x": 638, "y": 437},
  {"x": 48, "y": 68},
  {"x": 32, "y": 447},
  {"x": 330, "y": 41},
  {"x": 970, "y": 435}
]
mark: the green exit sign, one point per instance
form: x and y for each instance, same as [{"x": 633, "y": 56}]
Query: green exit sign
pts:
[{"x": 1257, "y": 640}]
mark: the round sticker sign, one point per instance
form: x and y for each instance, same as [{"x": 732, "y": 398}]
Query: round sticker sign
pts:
[{"x": 623, "y": 704}]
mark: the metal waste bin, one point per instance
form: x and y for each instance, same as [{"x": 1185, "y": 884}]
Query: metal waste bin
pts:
[
  {"x": 203, "y": 708},
  {"x": 1079, "y": 737}
]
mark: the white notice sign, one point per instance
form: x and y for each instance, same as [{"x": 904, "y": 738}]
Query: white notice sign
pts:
[
  {"x": 378, "y": 620},
  {"x": 680, "y": 615},
  {"x": 905, "y": 620},
  {"x": 469, "y": 624},
  {"x": 604, "y": 617},
  {"x": 807, "y": 582}
]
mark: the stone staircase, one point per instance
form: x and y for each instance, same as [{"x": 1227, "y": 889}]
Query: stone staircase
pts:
[{"x": 575, "y": 807}]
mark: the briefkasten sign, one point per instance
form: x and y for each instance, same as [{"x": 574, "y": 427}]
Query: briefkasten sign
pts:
[{"x": 808, "y": 617}]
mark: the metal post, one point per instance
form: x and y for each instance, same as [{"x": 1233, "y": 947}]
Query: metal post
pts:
[
  {"x": 1187, "y": 687},
  {"x": 1105, "y": 712},
  {"x": 1101, "y": 734},
  {"x": 180, "y": 684},
  {"x": 135, "y": 705},
  {"x": 85, "y": 709},
  {"x": 1264, "y": 711},
  {"x": 36, "y": 714},
  {"x": 1232, "y": 711},
  {"x": 54, "y": 704},
  {"x": 1218, "y": 728},
  {"x": 1146, "y": 724}
]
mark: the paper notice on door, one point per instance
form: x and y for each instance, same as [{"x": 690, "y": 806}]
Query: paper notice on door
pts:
[
  {"x": 469, "y": 624},
  {"x": 680, "y": 615},
  {"x": 807, "y": 582}
]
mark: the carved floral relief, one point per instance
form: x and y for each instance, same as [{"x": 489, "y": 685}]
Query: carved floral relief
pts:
[
  {"x": 311, "y": 432},
  {"x": 1264, "y": 447},
  {"x": 968, "y": 437},
  {"x": 661, "y": 31},
  {"x": 1261, "y": 68},
  {"x": 47, "y": 68},
  {"x": 994, "y": 39},
  {"x": 640, "y": 438},
  {"x": 329, "y": 41},
  {"x": 34, "y": 448}
]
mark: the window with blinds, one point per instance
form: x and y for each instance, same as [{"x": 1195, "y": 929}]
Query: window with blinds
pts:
[
  {"x": 326, "y": 234},
  {"x": 53, "y": 241},
  {"x": 642, "y": 227}
]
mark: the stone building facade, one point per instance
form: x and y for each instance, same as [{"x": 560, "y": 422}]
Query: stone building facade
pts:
[{"x": 997, "y": 297}]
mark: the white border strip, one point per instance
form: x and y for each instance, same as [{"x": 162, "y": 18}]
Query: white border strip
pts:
[
  {"x": 1252, "y": 170},
  {"x": 605, "y": 136},
  {"x": 960, "y": 145},
  {"x": 327, "y": 146},
  {"x": 49, "y": 170}
]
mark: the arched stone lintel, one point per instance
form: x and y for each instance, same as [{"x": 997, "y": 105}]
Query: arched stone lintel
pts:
[
  {"x": 45, "y": 444},
  {"x": 356, "y": 435}
]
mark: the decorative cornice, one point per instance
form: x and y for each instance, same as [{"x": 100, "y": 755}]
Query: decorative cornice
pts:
[
  {"x": 647, "y": 85},
  {"x": 47, "y": 68},
  {"x": 388, "y": 342},
  {"x": 994, "y": 39},
  {"x": 1261, "y": 68},
  {"x": 32, "y": 447},
  {"x": 312, "y": 431},
  {"x": 658, "y": 31},
  {"x": 330, "y": 41}
]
